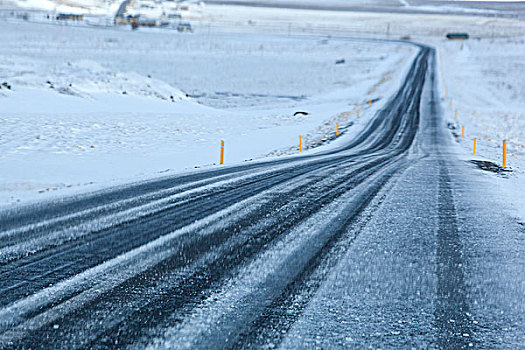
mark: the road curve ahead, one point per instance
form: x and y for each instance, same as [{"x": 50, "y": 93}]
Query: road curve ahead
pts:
[{"x": 352, "y": 247}]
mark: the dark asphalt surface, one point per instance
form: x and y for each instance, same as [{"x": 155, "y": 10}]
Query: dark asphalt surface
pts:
[{"x": 372, "y": 244}]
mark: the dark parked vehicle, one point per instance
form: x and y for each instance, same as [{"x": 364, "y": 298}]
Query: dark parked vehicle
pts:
[{"x": 457, "y": 36}]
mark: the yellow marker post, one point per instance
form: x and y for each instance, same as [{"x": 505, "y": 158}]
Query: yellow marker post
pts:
[
  {"x": 504, "y": 154},
  {"x": 336, "y": 129},
  {"x": 357, "y": 113},
  {"x": 462, "y": 132},
  {"x": 300, "y": 144},
  {"x": 369, "y": 103},
  {"x": 222, "y": 152},
  {"x": 474, "y": 148},
  {"x": 456, "y": 115}
]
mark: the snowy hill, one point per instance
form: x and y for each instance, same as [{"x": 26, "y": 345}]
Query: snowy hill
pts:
[{"x": 95, "y": 7}]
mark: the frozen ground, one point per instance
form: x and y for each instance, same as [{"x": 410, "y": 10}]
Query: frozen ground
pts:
[{"x": 99, "y": 106}]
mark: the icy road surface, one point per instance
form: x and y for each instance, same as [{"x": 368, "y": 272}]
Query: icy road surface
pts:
[{"x": 385, "y": 242}]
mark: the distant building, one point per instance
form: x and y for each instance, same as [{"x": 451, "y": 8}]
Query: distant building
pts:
[
  {"x": 146, "y": 22},
  {"x": 184, "y": 27}
]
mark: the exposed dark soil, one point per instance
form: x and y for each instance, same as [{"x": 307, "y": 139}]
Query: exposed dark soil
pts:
[{"x": 490, "y": 166}]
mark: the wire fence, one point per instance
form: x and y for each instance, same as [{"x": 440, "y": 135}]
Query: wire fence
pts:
[{"x": 380, "y": 27}]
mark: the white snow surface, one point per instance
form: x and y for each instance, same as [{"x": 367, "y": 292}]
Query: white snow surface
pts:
[{"x": 93, "y": 7}]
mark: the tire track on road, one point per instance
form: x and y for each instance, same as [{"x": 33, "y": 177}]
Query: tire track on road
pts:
[{"x": 452, "y": 312}]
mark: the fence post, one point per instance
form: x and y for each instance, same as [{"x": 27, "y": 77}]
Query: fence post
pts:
[
  {"x": 222, "y": 152},
  {"x": 504, "y": 153}
]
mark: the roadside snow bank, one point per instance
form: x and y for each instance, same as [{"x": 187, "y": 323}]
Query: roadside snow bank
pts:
[
  {"x": 485, "y": 82},
  {"x": 83, "y": 78},
  {"x": 484, "y": 79}
]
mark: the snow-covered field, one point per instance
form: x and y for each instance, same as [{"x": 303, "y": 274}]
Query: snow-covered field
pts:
[{"x": 103, "y": 106}]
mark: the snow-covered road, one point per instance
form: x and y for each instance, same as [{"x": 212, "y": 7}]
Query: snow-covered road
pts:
[{"x": 383, "y": 241}]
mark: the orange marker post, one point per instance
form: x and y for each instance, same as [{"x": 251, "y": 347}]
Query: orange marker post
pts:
[
  {"x": 504, "y": 154},
  {"x": 222, "y": 152},
  {"x": 474, "y": 148},
  {"x": 336, "y": 129},
  {"x": 369, "y": 103},
  {"x": 450, "y": 102},
  {"x": 456, "y": 115},
  {"x": 462, "y": 132},
  {"x": 357, "y": 113},
  {"x": 300, "y": 144}
]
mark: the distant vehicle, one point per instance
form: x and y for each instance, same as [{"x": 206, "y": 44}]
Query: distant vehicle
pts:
[
  {"x": 175, "y": 16},
  {"x": 457, "y": 36},
  {"x": 184, "y": 27},
  {"x": 69, "y": 17}
]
